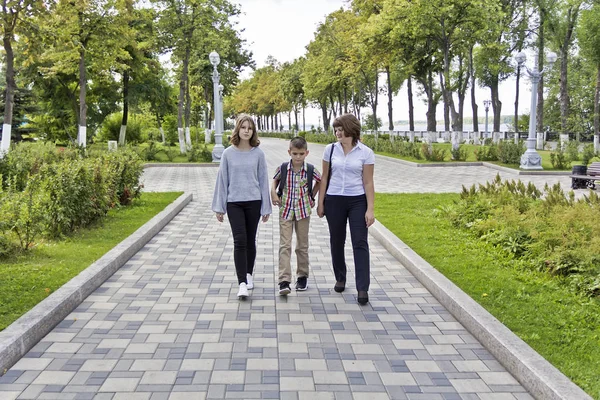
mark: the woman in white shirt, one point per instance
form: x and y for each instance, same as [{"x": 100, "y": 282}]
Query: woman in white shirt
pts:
[{"x": 349, "y": 197}]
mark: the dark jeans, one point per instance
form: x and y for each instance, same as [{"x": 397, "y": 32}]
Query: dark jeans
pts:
[
  {"x": 338, "y": 210},
  {"x": 243, "y": 218}
]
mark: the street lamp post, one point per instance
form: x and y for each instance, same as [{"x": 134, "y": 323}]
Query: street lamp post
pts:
[
  {"x": 531, "y": 158},
  {"x": 218, "y": 107},
  {"x": 486, "y": 105}
]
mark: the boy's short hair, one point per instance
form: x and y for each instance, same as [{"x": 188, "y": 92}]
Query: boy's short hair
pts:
[{"x": 299, "y": 142}]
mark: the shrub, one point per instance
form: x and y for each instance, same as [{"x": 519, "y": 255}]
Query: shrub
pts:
[
  {"x": 572, "y": 150},
  {"x": 459, "y": 153},
  {"x": 486, "y": 153},
  {"x": 432, "y": 153},
  {"x": 559, "y": 158},
  {"x": 548, "y": 231},
  {"x": 510, "y": 152},
  {"x": 588, "y": 153},
  {"x": 111, "y": 128}
]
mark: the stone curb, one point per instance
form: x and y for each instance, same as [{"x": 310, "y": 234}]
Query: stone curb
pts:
[
  {"x": 19, "y": 337},
  {"x": 536, "y": 374}
]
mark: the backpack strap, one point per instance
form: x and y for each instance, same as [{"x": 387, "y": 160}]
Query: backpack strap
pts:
[
  {"x": 282, "y": 178},
  {"x": 310, "y": 170}
]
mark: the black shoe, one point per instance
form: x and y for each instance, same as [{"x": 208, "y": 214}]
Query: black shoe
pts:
[
  {"x": 363, "y": 297},
  {"x": 339, "y": 287},
  {"x": 284, "y": 288},
  {"x": 301, "y": 283}
]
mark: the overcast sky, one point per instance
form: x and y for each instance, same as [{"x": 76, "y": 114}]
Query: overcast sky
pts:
[{"x": 283, "y": 29}]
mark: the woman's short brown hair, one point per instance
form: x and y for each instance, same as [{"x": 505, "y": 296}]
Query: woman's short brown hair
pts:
[
  {"x": 235, "y": 136},
  {"x": 351, "y": 126}
]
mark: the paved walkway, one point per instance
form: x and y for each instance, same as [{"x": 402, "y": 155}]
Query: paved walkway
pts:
[{"x": 168, "y": 324}]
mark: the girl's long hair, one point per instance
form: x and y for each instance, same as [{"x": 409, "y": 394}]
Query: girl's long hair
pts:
[{"x": 235, "y": 136}]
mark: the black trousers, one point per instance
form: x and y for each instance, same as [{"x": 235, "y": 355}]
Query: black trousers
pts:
[
  {"x": 243, "y": 218},
  {"x": 338, "y": 210}
]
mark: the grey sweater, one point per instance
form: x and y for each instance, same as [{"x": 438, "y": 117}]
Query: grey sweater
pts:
[{"x": 243, "y": 176}]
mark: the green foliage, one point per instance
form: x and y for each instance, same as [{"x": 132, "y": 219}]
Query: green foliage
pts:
[
  {"x": 510, "y": 152},
  {"x": 369, "y": 124},
  {"x": 459, "y": 153},
  {"x": 170, "y": 128},
  {"x": 559, "y": 158},
  {"x": 199, "y": 153},
  {"x": 61, "y": 191},
  {"x": 111, "y": 128},
  {"x": 486, "y": 153},
  {"x": 588, "y": 153},
  {"x": 432, "y": 153},
  {"x": 547, "y": 231},
  {"x": 572, "y": 150}
]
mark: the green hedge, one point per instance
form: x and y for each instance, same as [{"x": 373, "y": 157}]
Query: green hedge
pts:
[{"x": 50, "y": 192}]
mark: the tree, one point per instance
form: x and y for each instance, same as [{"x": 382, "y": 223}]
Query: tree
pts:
[
  {"x": 589, "y": 40},
  {"x": 82, "y": 39},
  {"x": 562, "y": 27},
  {"x": 13, "y": 12},
  {"x": 505, "y": 36}
]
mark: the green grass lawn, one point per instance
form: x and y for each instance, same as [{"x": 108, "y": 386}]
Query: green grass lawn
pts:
[
  {"x": 27, "y": 279},
  {"x": 560, "y": 325},
  {"x": 545, "y": 154}
]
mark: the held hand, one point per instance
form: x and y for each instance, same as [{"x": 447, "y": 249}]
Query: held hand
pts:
[
  {"x": 265, "y": 218},
  {"x": 320, "y": 211},
  {"x": 275, "y": 199},
  {"x": 220, "y": 217},
  {"x": 369, "y": 218}
]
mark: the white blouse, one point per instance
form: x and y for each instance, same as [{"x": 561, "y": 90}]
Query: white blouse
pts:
[{"x": 346, "y": 177}]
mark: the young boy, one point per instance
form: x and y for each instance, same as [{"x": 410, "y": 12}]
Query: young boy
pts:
[{"x": 293, "y": 193}]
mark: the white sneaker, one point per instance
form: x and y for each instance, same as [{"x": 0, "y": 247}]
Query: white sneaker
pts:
[
  {"x": 250, "y": 284},
  {"x": 243, "y": 292}
]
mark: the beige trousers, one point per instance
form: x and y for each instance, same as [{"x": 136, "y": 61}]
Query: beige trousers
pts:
[{"x": 286, "y": 228}]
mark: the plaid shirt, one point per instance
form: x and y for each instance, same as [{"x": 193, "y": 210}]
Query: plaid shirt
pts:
[{"x": 295, "y": 199}]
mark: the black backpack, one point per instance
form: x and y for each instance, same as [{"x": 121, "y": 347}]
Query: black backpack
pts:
[{"x": 310, "y": 169}]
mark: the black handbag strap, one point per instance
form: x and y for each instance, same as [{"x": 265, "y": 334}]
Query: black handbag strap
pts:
[{"x": 329, "y": 170}]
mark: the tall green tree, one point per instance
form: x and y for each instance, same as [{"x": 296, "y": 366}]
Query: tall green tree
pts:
[
  {"x": 589, "y": 41},
  {"x": 82, "y": 41},
  {"x": 14, "y": 12}
]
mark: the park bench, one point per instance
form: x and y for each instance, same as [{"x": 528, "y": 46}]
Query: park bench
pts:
[{"x": 585, "y": 177}]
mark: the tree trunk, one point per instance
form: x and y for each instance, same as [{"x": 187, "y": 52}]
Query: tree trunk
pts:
[
  {"x": 516, "y": 116},
  {"x": 496, "y": 105},
  {"x": 304, "y": 118},
  {"x": 390, "y": 107},
  {"x": 188, "y": 107},
  {"x": 597, "y": 111},
  {"x": 462, "y": 90},
  {"x": 374, "y": 105},
  {"x": 474, "y": 106},
  {"x": 411, "y": 108},
  {"x": 125, "y": 108},
  {"x": 10, "y": 91},
  {"x": 572, "y": 15},
  {"x": 323, "y": 105},
  {"x": 445, "y": 101},
  {"x": 432, "y": 102},
  {"x": 82, "y": 132}
]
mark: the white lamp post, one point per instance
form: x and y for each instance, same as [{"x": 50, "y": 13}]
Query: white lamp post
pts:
[
  {"x": 218, "y": 107},
  {"x": 486, "y": 105},
  {"x": 531, "y": 158}
]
